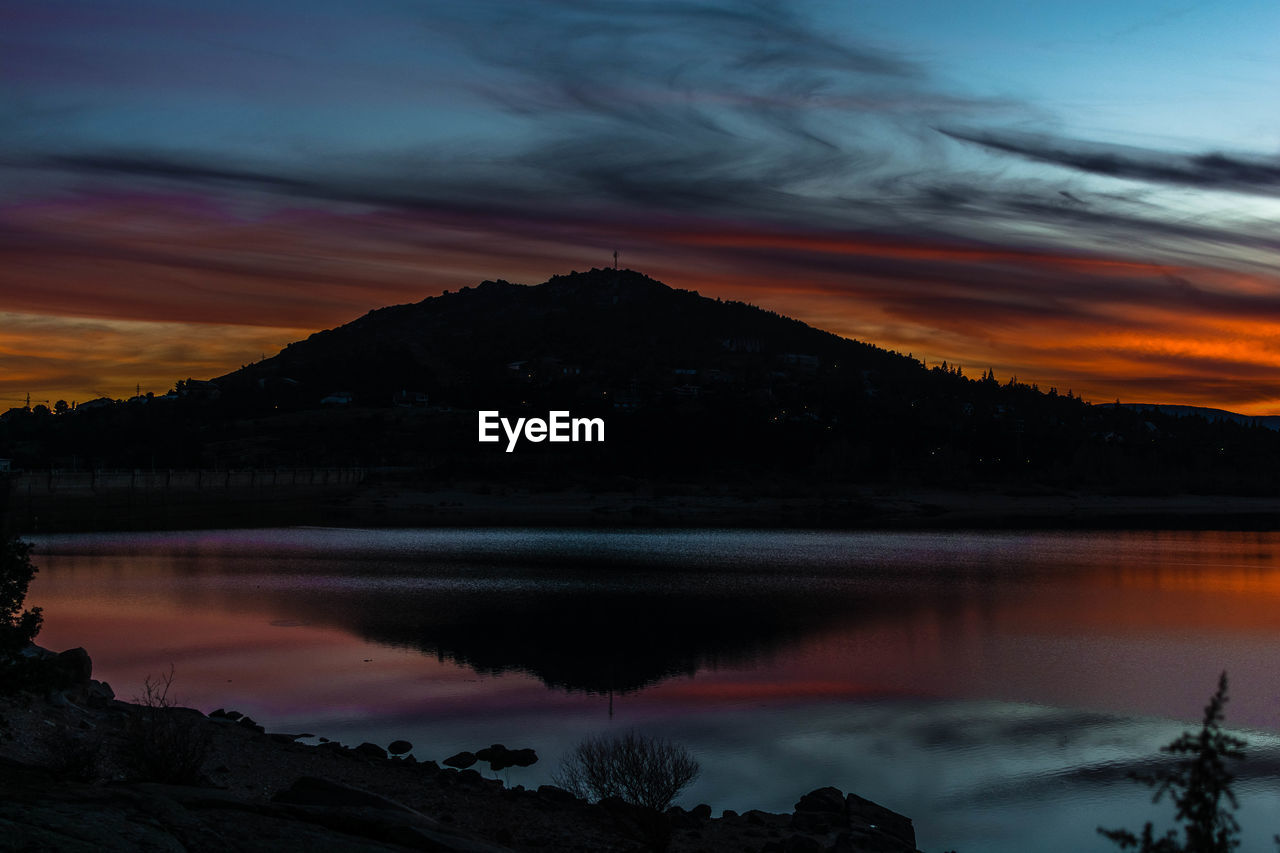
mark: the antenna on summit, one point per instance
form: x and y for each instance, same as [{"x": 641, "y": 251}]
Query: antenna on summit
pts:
[{"x": 615, "y": 260}]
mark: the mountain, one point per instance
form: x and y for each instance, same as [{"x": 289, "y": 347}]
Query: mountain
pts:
[
  {"x": 1271, "y": 422},
  {"x": 607, "y": 328},
  {"x": 692, "y": 392}
]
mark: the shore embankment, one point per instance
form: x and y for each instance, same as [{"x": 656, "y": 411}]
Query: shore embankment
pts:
[
  {"x": 79, "y": 770},
  {"x": 353, "y": 497}
]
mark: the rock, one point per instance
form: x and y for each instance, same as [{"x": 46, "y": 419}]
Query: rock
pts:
[
  {"x": 371, "y": 750},
  {"x": 71, "y": 668},
  {"x": 248, "y": 723},
  {"x": 312, "y": 791},
  {"x": 496, "y": 755},
  {"x": 844, "y": 844},
  {"x": 523, "y": 757},
  {"x": 490, "y": 752},
  {"x": 823, "y": 800},
  {"x": 99, "y": 694},
  {"x": 553, "y": 794},
  {"x": 728, "y": 814},
  {"x": 873, "y": 816},
  {"x": 399, "y": 747},
  {"x": 701, "y": 811},
  {"x": 802, "y": 844},
  {"x": 461, "y": 760},
  {"x": 217, "y": 714},
  {"x": 615, "y": 804},
  {"x": 820, "y": 810},
  {"x": 500, "y": 758},
  {"x": 232, "y": 715}
]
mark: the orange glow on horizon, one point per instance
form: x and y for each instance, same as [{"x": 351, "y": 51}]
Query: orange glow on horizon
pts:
[{"x": 175, "y": 289}]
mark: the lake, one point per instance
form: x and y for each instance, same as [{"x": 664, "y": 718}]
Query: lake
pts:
[{"x": 995, "y": 687}]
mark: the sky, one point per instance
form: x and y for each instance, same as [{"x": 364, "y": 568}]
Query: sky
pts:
[{"x": 1083, "y": 195}]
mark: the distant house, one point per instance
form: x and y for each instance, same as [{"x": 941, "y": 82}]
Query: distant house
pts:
[
  {"x": 798, "y": 359},
  {"x": 200, "y": 389},
  {"x": 338, "y": 398},
  {"x": 741, "y": 344},
  {"x": 626, "y": 400},
  {"x": 409, "y": 399}
]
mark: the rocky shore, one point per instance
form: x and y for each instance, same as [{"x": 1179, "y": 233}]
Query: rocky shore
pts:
[{"x": 83, "y": 771}]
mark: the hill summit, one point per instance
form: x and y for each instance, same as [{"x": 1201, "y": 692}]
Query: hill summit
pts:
[{"x": 609, "y": 326}]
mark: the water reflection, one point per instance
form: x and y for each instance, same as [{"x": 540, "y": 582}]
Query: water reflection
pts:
[{"x": 992, "y": 686}]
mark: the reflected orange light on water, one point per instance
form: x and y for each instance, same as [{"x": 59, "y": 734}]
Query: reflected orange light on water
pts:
[{"x": 1141, "y": 632}]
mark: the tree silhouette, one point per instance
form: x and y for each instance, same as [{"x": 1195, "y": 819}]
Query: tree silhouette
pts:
[
  {"x": 18, "y": 627},
  {"x": 1197, "y": 785}
]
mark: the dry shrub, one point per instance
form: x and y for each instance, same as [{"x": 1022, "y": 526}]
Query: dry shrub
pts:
[
  {"x": 165, "y": 742},
  {"x": 644, "y": 771}
]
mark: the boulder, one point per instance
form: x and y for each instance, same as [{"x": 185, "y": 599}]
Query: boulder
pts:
[
  {"x": 553, "y": 794},
  {"x": 461, "y": 760},
  {"x": 500, "y": 758},
  {"x": 873, "y": 816},
  {"x": 829, "y": 800},
  {"x": 249, "y": 723},
  {"x": 371, "y": 750},
  {"x": 820, "y": 810},
  {"x": 523, "y": 757},
  {"x": 399, "y": 747},
  {"x": 496, "y": 755},
  {"x": 69, "y": 669}
]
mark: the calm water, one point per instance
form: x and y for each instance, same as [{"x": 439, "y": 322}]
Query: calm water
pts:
[{"x": 994, "y": 687}]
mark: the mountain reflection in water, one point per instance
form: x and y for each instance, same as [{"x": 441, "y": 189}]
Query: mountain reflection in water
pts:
[{"x": 994, "y": 686}]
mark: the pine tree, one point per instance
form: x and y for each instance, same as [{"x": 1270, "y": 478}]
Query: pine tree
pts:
[{"x": 1197, "y": 785}]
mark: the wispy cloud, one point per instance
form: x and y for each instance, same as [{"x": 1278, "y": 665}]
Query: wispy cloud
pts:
[
  {"x": 1209, "y": 170},
  {"x": 754, "y": 150}
]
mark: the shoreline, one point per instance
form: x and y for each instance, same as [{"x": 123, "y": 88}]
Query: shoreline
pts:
[
  {"x": 380, "y": 505},
  {"x": 68, "y": 781}
]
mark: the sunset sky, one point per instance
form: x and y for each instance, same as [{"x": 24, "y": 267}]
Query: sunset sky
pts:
[{"x": 1084, "y": 194}]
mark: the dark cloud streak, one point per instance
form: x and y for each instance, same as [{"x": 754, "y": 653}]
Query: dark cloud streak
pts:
[{"x": 1214, "y": 170}]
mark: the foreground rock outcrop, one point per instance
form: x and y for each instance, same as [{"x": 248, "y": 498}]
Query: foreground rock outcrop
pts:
[{"x": 70, "y": 781}]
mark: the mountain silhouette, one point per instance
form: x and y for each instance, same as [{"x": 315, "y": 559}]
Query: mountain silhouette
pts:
[
  {"x": 616, "y": 327},
  {"x": 695, "y": 393}
]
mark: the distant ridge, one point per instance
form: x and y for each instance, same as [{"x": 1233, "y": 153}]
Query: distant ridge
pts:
[{"x": 1271, "y": 422}]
